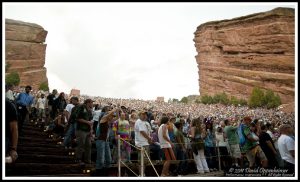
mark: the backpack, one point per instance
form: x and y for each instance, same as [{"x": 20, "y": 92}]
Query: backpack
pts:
[{"x": 241, "y": 134}]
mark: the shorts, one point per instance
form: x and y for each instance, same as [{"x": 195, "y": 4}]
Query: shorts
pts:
[
  {"x": 255, "y": 152},
  {"x": 235, "y": 151}
]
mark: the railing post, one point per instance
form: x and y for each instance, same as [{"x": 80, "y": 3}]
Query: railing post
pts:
[
  {"x": 142, "y": 162},
  {"x": 119, "y": 156},
  {"x": 219, "y": 158}
]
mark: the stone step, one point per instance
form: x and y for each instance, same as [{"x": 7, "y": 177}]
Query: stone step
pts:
[
  {"x": 41, "y": 145},
  {"x": 28, "y": 169},
  {"x": 33, "y": 139},
  {"x": 64, "y": 175},
  {"x": 44, "y": 150},
  {"x": 49, "y": 159},
  {"x": 28, "y": 131},
  {"x": 35, "y": 126}
]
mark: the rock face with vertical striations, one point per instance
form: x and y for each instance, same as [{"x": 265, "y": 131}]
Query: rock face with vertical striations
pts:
[
  {"x": 25, "y": 52},
  {"x": 255, "y": 50}
]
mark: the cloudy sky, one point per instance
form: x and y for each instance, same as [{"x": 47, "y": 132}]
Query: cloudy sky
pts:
[{"x": 126, "y": 50}]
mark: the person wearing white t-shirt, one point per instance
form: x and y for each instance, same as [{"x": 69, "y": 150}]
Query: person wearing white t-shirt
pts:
[
  {"x": 70, "y": 134},
  {"x": 9, "y": 93},
  {"x": 286, "y": 146},
  {"x": 68, "y": 108},
  {"x": 41, "y": 105},
  {"x": 222, "y": 145},
  {"x": 142, "y": 133},
  {"x": 96, "y": 115}
]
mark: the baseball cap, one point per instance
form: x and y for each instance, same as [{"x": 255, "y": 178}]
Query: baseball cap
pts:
[{"x": 247, "y": 118}]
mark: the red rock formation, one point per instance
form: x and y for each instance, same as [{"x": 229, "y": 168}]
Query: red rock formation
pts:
[
  {"x": 25, "y": 52},
  {"x": 255, "y": 50},
  {"x": 75, "y": 92}
]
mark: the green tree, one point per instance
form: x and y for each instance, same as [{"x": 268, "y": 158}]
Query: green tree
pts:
[
  {"x": 256, "y": 98},
  {"x": 175, "y": 100},
  {"x": 198, "y": 100},
  {"x": 220, "y": 98},
  {"x": 271, "y": 100},
  {"x": 205, "y": 99},
  {"x": 44, "y": 86},
  {"x": 224, "y": 99},
  {"x": 12, "y": 78},
  {"x": 234, "y": 101},
  {"x": 277, "y": 100},
  {"x": 184, "y": 100}
]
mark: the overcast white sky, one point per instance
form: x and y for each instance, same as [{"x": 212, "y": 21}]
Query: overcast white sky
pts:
[{"x": 126, "y": 50}]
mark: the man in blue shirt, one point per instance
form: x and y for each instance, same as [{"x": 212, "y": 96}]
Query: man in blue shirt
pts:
[{"x": 24, "y": 101}]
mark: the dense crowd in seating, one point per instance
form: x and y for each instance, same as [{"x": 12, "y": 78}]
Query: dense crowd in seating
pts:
[{"x": 207, "y": 135}]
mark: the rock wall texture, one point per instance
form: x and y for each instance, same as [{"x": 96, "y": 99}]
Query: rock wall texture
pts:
[
  {"x": 255, "y": 50},
  {"x": 25, "y": 52}
]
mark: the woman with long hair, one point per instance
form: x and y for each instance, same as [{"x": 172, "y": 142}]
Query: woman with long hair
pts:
[{"x": 197, "y": 134}]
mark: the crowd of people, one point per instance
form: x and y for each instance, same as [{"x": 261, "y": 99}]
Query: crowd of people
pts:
[{"x": 209, "y": 135}]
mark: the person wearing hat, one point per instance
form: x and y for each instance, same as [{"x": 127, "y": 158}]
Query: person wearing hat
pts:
[
  {"x": 24, "y": 102},
  {"x": 142, "y": 133},
  {"x": 251, "y": 147},
  {"x": 104, "y": 157},
  {"x": 83, "y": 131}
]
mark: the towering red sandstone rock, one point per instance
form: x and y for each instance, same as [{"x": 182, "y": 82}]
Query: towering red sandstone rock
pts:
[
  {"x": 25, "y": 52},
  {"x": 255, "y": 50}
]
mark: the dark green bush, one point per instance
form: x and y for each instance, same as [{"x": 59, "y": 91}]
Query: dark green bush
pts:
[
  {"x": 12, "y": 79},
  {"x": 44, "y": 86}
]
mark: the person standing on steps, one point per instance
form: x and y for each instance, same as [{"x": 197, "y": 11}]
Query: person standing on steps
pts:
[
  {"x": 51, "y": 108},
  {"x": 166, "y": 145},
  {"x": 24, "y": 102},
  {"x": 83, "y": 132},
  {"x": 142, "y": 133},
  {"x": 197, "y": 135},
  {"x": 103, "y": 160},
  {"x": 286, "y": 145},
  {"x": 11, "y": 131},
  {"x": 72, "y": 124},
  {"x": 233, "y": 141}
]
